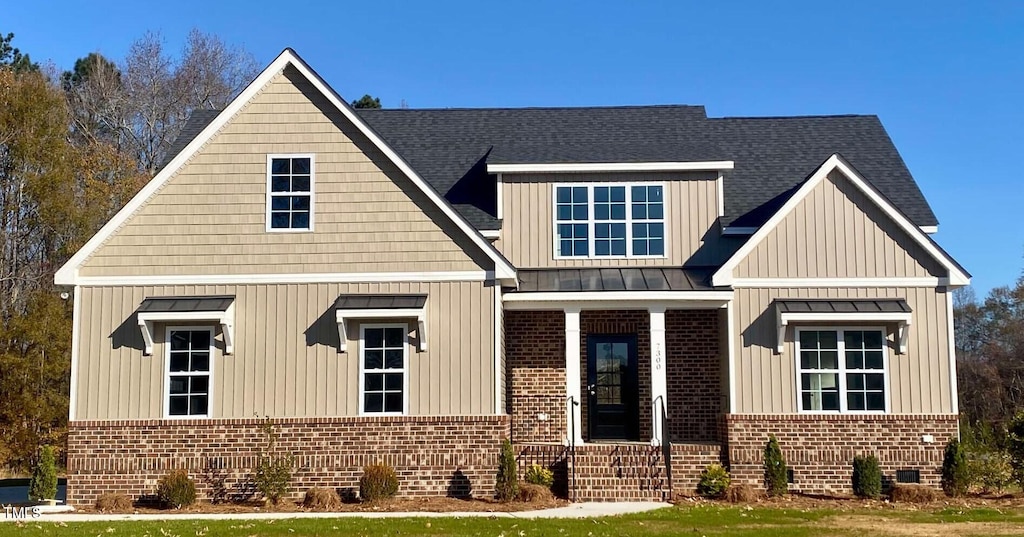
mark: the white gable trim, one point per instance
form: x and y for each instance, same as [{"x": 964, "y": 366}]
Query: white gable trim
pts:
[
  {"x": 68, "y": 274},
  {"x": 724, "y": 275}
]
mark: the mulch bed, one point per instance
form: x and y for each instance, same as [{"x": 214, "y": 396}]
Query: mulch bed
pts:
[{"x": 849, "y": 503}]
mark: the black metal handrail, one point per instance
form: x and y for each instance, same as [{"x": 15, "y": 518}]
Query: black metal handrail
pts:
[{"x": 666, "y": 442}]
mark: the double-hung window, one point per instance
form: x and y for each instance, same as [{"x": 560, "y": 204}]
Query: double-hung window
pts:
[
  {"x": 609, "y": 220},
  {"x": 290, "y": 193},
  {"x": 842, "y": 370},
  {"x": 383, "y": 365},
  {"x": 189, "y": 352}
]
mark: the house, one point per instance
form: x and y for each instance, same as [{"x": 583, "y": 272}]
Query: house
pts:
[{"x": 628, "y": 293}]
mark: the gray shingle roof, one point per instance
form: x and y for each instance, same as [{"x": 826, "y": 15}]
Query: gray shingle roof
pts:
[
  {"x": 451, "y": 148},
  {"x": 615, "y": 279},
  {"x": 197, "y": 121},
  {"x": 186, "y": 303}
]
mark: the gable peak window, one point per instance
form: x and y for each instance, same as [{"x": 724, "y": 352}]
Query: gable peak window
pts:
[
  {"x": 290, "y": 192},
  {"x": 609, "y": 220}
]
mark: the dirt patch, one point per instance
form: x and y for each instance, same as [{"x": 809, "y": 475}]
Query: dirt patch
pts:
[
  {"x": 872, "y": 525},
  {"x": 429, "y": 505},
  {"x": 852, "y": 503}
]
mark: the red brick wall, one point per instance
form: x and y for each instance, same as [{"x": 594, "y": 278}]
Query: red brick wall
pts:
[
  {"x": 694, "y": 374},
  {"x": 433, "y": 456},
  {"x": 820, "y": 449},
  {"x": 635, "y": 472},
  {"x": 621, "y": 322},
  {"x": 535, "y": 361}
]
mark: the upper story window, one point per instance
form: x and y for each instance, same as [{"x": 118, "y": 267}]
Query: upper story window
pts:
[
  {"x": 842, "y": 370},
  {"x": 609, "y": 220},
  {"x": 289, "y": 192}
]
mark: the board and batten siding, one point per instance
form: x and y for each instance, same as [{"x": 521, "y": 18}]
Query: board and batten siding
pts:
[
  {"x": 919, "y": 380},
  {"x": 837, "y": 232},
  {"x": 210, "y": 218},
  {"x": 286, "y": 361},
  {"x": 691, "y": 212}
]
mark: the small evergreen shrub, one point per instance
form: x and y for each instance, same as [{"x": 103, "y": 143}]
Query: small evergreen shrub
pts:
[
  {"x": 776, "y": 474},
  {"x": 110, "y": 502},
  {"x": 539, "y": 475},
  {"x": 176, "y": 490},
  {"x": 44, "y": 477},
  {"x": 507, "y": 487},
  {"x": 714, "y": 481},
  {"x": 956, "y": 479},
  {"x": 867, "y": 477},
  {"x": 379, "y": 481},
  {"x": 988, "y": 464}
]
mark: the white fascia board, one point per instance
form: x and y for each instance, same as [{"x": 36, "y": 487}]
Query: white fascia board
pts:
[
  {"x": 226, "y": 319},
  {"x": 242, "y": 279},
  {"x": 68, "y": 273},
  {"x": 738, "y": 283},
  {"x": 597, "y": 167},
  {"x": 420, "y": 314},
  {"x": 602, "y": 296},
  {"x": 930, "y": 229},
  {"x": 491, "y": 233},
  {"x": 724, "y": 275}
]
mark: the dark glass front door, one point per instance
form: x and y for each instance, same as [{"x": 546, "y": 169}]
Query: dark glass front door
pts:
[{"x": 612, "y": 382}]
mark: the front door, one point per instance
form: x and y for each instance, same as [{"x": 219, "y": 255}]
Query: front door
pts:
[{"x": 612, "y": 388}]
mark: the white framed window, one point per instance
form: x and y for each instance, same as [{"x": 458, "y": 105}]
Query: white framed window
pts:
[
  {"x": 616, "y": 220},
  {"x": 290, "y": 190},
  {"x": 842, "y": 370},
  {"x": 383, "y": 369},
  {"x": 189, "y": 372}
]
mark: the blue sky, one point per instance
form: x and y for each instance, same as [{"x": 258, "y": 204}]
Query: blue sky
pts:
[{"x": 946, "y": 78}]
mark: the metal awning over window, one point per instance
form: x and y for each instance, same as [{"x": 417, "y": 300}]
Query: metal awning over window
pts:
[
  {"x": 887, "y": 310},
  {"x": 381, "y": 307},
  {"x": 219, "y": 309}
]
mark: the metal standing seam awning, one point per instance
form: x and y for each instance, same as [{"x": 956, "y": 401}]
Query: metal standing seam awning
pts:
[
  {"x": 219, "y": 309},
  {"x": 884, "y": 310},
  {"x": 391, "y": 306}
]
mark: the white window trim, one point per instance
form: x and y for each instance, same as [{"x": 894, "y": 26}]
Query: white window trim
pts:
[
  {"x": 841, "y": 346},
  {"x": 903, "y": 320},
  {"x": 405, "y": 369},
  {"x": 167, "y": 372},
  {"x": 226, "y": 320},
  {"x": 591, "y": 254},
  {"x": 343, "y": 316},
  {"x": 312, "y": 192}
]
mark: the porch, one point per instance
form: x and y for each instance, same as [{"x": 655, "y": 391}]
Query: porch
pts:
[{"x": 620, "y": 382}]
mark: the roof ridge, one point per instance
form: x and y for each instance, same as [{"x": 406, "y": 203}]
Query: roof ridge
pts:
[
  {"x": 495, "y": 108},
  {"x": 804, "y": 116}
]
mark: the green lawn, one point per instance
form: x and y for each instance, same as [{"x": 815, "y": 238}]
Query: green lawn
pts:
[{"x": 702, "y": 520}]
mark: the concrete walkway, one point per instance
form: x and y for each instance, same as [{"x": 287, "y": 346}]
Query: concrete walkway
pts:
[{"x": 576, "y": 510}]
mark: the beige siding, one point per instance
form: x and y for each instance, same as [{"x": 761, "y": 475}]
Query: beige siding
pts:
[
  {"x": 527, "y": 234},
  {"x": 210, "y": 218},
  {"x": 286, "y": 361},
  {"x": 766, "y": 382},
  {"x": 837, "y": 232}
]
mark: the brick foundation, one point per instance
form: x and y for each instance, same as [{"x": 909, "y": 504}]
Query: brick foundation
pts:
[
  {"x": 820, "y": 449},
  {"x": 433, "y": 456}
]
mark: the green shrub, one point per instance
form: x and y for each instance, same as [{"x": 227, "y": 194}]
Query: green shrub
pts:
[
  {"x": 1015, "y": 447},
  {"x": 988, "y": 464},
  {"x": 539, "y": 475},
  {"x": 379, "y": 481},
  {"x": 176, "y": 490},
  {"x": 714, "y": 481},
  {"x": 956, "y": 479},
  {"x": 776, "y": 474},
  {"x": 273, "y": 473},
  {"x": 507, "y": 488},
  {"x": 867, "y": 477},
  {"x": 44, "y": 477}
]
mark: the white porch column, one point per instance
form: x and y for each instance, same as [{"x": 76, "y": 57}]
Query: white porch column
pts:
[
  {"x": 659, "y": 383},
  {"x": 573, "y": 412}
]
